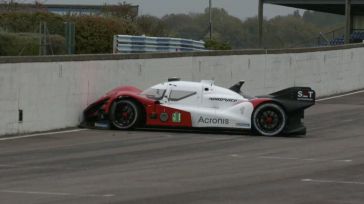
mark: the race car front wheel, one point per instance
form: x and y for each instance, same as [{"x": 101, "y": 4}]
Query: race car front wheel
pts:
[
  {"x": 269, "y": 119},
  {"x": 125, "y": 114}
]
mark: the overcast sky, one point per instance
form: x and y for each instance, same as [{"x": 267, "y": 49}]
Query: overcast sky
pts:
[{"x": 239, "y": 8}]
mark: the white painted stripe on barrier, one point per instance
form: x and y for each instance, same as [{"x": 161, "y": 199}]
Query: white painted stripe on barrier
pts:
[
  {"x": 332, "y": 181},
  {"x": 40, "y": 134},
  {"x": 339, "y": 96}
]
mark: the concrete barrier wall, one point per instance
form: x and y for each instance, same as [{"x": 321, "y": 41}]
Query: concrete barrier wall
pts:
[{"x": 52, "y": 92}]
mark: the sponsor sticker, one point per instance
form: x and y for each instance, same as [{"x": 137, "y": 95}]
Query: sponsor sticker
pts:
[
  {"x": 224, "y": 99},
  {"x": 220, "y": 121},
  {"x": 176, "y": 117},
  {"x": 242, "y": 125},
  {"x": 153, "y": 115},
  {"x": 102, "y": 124},
  {"x": 164, "y": 117}
]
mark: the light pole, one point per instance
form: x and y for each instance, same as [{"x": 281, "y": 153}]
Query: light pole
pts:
[
  {"x": 210, "y": 21},
  {"x": 260, "y": 23},
  {"x": 348, "y": 21}
]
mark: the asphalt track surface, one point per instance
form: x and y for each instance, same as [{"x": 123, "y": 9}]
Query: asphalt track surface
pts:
[{"x": 102, "y": 166}]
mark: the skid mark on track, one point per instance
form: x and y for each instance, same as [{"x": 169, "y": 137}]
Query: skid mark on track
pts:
[
  {"x": 54, "y": 193},
  {"x": 332, "y": 181},
  {"x": 292, "y": 158},
  {"x": 304, "y": 159},
  {"x": 40, "y": 134}
]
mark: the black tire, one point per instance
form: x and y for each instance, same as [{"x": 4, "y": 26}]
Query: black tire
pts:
[
  {"x": 269, "y": 119},
  {"x": 125, "y": 114}
]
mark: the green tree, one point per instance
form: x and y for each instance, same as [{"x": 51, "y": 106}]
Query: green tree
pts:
[
  {"x": 94, "y": 34},
  {"x": 228, "y": 28},
  {"x": 123, "y": 10},
  {"x": 250, "y": 33},
  {"x": 29, "y": 22},
  {"x": 185, "y": 26},
  {"x": 25, "y": 44},
  {"x": 196, "y": 26},
  {"x": 151, "y": 26},
  {"x": 216, "y": 45},
  {"x": 287, "y": 31},
  {"x": 279, "y": 32},
  {"x": 323, "y": 20}
]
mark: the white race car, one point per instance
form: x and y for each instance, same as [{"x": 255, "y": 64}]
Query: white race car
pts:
[{"x": 185, "y": 104}]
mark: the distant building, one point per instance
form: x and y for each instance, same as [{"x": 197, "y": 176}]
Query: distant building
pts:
[{"x": 73, "y": 9}]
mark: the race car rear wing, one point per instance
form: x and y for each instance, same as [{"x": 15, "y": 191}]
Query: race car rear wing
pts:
[
  {"x": 295, "y": 100},
  {"x": 304, "y": 94}
]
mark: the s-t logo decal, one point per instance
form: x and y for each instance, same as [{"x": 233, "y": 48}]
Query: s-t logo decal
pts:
[{"x": 305, "y": 95}]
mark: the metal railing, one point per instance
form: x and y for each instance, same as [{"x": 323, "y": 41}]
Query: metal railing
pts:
[
  {"x": 323, "y": 39},
  {"x": 142, "y": 44}
]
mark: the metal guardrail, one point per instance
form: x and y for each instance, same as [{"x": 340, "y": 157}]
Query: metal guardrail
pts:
[{"x": 142, "y": 44}]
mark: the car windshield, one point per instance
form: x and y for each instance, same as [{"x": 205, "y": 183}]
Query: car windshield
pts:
[{"x": 154, "y": 93}]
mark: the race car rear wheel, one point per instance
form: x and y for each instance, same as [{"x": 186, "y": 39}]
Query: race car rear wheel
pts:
[
  {"x": 269, "y": 119},
  {"x": 125, "y": 114}
]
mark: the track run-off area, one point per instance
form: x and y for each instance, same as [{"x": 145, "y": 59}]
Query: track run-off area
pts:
[{"x": 150, "y": 166}]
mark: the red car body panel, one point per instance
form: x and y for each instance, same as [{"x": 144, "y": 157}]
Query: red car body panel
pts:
[
  {"x": 126, "y": 92},
  {"x": 257, "y": 101},
  {"x": 155, "y": 111},
  {"x": 152, "y": 108},
  {"x": 104, "y": 104}
]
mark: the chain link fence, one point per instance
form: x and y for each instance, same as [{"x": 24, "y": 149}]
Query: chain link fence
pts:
[
  {"x": 24, "y": 33},
  {"x": 37, "y": 29}
]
